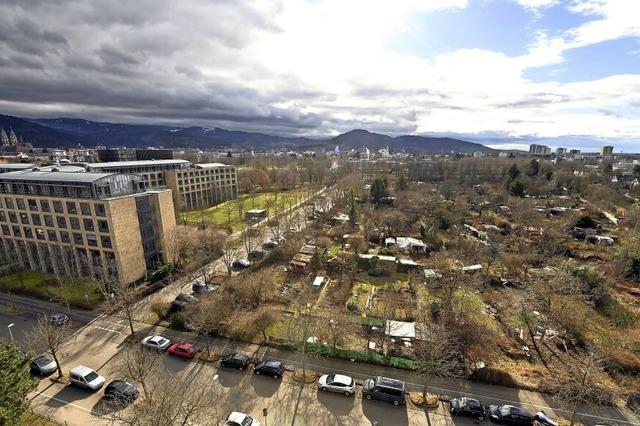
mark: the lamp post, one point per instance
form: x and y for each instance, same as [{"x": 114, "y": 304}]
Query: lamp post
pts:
[{"x": 9, "y": 328}]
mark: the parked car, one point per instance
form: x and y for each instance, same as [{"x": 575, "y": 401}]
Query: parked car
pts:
[
  {"x": 271, "y": 244},
  {"x": 384, "y": 389},
  {"x": 467, "y": 407},
  {"x": 58, "y": 318},
  {"x": 241, "y": 263},
  {"x": 181, "y": 301},
  {"x": 156, "y": 342},
  {"x": 43, "y": 365},
  {"x": 199, "y": 287},
  {"x": 235, "y": 360},
  {"x": 510, "y": 415},
  {"x": 121, "y": 392},
  {"x": 240, "y": 419},
  {"x": 85, "y": 377},
  {"x": 183, "y": 350},
  {"x": 269, "y": 367},
  {"x": 256, "y": 255},
  {"x": 542, "y": 418},
  {"x": 337, "y": 383}
]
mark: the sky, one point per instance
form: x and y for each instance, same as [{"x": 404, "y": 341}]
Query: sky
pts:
[{"x": 561, "y": 72}]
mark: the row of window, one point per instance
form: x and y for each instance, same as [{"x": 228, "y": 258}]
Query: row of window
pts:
[
  {"x": 227, "y": 179},
  {"x": 74, "y": 222},
  {"x": 58, "y": 206},
  {"x": 53, "y": 236}
]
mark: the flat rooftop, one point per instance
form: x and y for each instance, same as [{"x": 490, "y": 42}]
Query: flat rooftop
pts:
[
  {"x": 138, "y": 163},
  {"x": 50, "y": 176}
]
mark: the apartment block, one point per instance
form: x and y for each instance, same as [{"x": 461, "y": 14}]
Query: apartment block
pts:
[
  {"x": 90, "y": 225},
  {"x": 193, "y": 185},
  {"x": 130, "y": 154},
  {"x": 539, "y": 149}
]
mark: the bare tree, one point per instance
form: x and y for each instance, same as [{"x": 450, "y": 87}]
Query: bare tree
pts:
[
  {"x": 119, "y": 298},
  {"x": 230, "y": 252},
  {"x": 48, "y": 336},
  {"x": 138, "y": 364},
  {"x": 251, "y": 238},
  {"x": 167, "y": 403},
  {"x": 207, "y": 315}
]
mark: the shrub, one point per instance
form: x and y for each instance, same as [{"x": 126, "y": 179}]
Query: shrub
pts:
[
  {"x": 163, "y": 272},
  {"x": 176, "y": 321},
  {"x": 160, "y": 308},
  {"x": 585, "y": 221}
]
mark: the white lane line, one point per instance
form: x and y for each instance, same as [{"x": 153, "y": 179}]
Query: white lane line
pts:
[
  {"x": 108, "y": 329},
  {"x": 64, "y": 402}
]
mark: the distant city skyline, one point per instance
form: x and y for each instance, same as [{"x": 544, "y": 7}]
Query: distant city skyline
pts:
[{"x": 505, "y": 73}]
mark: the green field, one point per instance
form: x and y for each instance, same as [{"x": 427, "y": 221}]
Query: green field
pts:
[
  {"x": 218, "y": 215},
  {"x": 46, "y": 286}
]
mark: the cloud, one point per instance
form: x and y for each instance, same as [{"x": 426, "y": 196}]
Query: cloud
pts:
[{"x": 300, "y": 67}]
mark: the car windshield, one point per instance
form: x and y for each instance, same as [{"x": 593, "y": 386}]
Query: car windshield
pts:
[
  {"x": 91, "y": 376},
  {"x": 330, "y": 378},
  {"x": 247, "y": 421},
  {"x": 505, "y": 410},
  {"x": 42, "y": 360}
]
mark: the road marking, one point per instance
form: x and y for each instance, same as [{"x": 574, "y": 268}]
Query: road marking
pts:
[
  {"x": 65, "y": 402},
  {"x": 108, "y": 329}
]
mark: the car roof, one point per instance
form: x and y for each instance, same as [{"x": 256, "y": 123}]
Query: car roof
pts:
[
  {"x": 157, "y": 338},
  {"x": 392, "y": 383},
  {"x": 470, "y": 401},
  {"x": 120, "y": 384},
  {"x": 340, "y": 378},
  {"x": 239, "y": 355},
  {"x": 517, "y": 410},
  {"x": 184, "y": 345},
  {"x": 237, "y": 417},
  {"x": 272, "y": 363},
  {"x": 81, "y": 370},
  {"x": 43, "y": 357}
]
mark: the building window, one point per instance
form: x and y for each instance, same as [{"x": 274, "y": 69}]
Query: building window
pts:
[
  {"x": 88, "y": 225},
  {"x": 44, "y": 205},
  {"x": 48, "y": 221},
  {"x": 92, "y": 240},
  {"x": 13, "y": 218},
  {"x": 3, "y": 218},
  {"x": 71, "y": 207},
  {"x": 64, "y": 237},
  {"x": 57, "y": 207},
  {"x": 24, "y": 218},
  {"x": 9, "y": 203},
  {"x": 40, "y": 233},
  {"x": 77, "y": 239},
  {"x": 106, "y": 242},
  {"x": 85, "y": 209},
  {"x": 33, "y": 205},
  {"x": 103, "y": 226},
  {"x": 21, "y": 205},
  {"x": 75, "y": 223},
  {"x": 16, "y": 231},
  {"x": 35, "y": 219},
  {"x": 62, "y": 222},
  {"x": 5, "y": 230},
  {"x": 100, "y": 211},
  {"x": 28, "y": 233},
  {"x": 52, "y": 235}
]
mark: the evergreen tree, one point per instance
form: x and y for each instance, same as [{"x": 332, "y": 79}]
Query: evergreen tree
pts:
[
  {"x": 378, "y": 190},
  {"x": 15, "y": 384},
  {"x": 402, "y": 183},
  {"x": 534, "y": 168}
]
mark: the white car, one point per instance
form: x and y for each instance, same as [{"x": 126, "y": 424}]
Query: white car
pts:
[
  {"x": 240, "y": 419},
  {"x": 337, "y": 383},
  {"x": 156, "y": 342},
  {"x": 85, "y": 377}
]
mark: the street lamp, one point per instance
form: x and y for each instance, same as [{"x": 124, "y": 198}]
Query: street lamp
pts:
[{"x": 9, "y": 328}]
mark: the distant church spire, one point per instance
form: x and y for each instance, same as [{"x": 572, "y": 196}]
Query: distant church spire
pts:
[
  {"x": 4, "y": 139},
  {"x": 13, "y": 139}
]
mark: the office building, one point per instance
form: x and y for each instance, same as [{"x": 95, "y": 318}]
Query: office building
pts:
[
  {"x": 574, "y": 152},
  {"x": 193, "y": 185},
  {"x": 606, "y": 151},
  {"x": 90, "y": 225},
  {"x": 561, "y": 151},
  {"x": 539, "y": 149},
  {"x": 129, "y": 154}
]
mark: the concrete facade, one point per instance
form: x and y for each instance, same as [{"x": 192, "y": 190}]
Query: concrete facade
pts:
[{"x": 92, "y": 235}]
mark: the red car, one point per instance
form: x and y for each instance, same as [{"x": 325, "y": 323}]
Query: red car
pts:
[{"x": 183, "y": 350}]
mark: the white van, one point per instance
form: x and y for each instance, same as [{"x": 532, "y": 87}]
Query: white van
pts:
[{"x": 85, "y": 377}]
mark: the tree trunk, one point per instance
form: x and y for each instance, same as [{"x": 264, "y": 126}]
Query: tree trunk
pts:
[{"x": 55, "y": 358}]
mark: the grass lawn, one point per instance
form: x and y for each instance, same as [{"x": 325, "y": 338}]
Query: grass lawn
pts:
[
  {"x": 46, "y": 286},
  {"x": 32, "y": 419},
  {"x": 217, "y": 215}
]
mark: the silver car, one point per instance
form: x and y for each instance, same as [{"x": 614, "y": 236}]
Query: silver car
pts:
[
  {"x": 337, "y": 383},
  {"x": 156, "y": 342},
  {"x": 43, "y": 365}
]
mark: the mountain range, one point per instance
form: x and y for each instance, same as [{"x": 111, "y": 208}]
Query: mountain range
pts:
[{"x": 60, "y": 132}]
